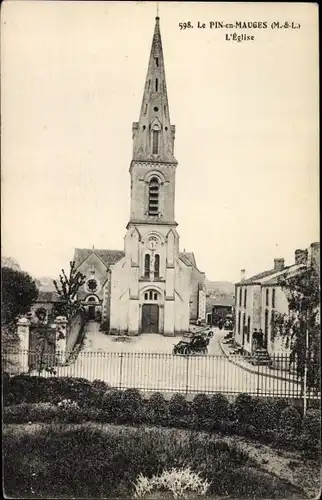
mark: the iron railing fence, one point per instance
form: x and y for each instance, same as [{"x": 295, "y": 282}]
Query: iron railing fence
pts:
[{"x": 160, "y": 372}]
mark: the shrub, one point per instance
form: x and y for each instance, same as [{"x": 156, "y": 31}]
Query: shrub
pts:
[
  {"x": 111, "y": 405},
  {"x": 131, "y": 407},
  {"x": 201, "y": 408},
  {"x": 157, "y": 409},
  {"x": 290, "y": 420},
  {"x": 219, "y": 409},
  {"x": 243, "y": 408},
  {"x": 180, "y": 414},
  {"x": 312, "y": 424}
]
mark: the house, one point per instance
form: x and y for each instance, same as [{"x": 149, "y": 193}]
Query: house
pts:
[
  {"x": 150, "y": 286},
  {"x": 260, "y": 297}
]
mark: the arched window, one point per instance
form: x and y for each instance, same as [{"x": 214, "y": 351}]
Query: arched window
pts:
[
  {"x": 147, "y": 265},
  {"x": 157, "y": 266},
  {"x": 156, "y": 85},
  {"x": 150, "y": 295},
  {"x": 154, "y": 196},
  {"x": 155, "y": 142}
]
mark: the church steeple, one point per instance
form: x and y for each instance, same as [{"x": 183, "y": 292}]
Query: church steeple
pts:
[{"x": 153, "y": 135}]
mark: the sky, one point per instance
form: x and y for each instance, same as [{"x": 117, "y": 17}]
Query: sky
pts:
[{"x": 246, "y": 117}]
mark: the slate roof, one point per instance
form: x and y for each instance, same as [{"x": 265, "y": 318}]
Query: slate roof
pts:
[
  {"x": 188, "y": 258},
  {"x": 109, "y": 257}
]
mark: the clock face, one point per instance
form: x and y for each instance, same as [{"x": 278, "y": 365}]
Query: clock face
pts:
[
  {"x": 152, "y": 243},
  {"x": 92, "y": 285}
]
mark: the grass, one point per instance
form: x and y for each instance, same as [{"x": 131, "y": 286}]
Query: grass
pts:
[{"x": 103, "y": 461}]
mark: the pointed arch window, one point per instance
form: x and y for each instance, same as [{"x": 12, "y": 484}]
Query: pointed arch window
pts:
[
  {"x": 156, "y": 61},
  {"x": 157, "y": 266},
  {"x": 147, "y": 265},
  {"x": 155, "y": 143},
  {"x": 156, "y": 85},
  {"x": 154, "y": 197}
]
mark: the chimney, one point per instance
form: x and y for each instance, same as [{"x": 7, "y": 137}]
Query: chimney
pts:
[
  {"x": 242, "y": 275},
  {"x": 301, "y": 256},
  {"x": 279, "y": 264}
]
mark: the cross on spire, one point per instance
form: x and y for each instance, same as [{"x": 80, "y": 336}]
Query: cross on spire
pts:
[{"x": 157, "y": 9}]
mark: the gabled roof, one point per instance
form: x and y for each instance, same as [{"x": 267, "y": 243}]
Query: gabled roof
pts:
[
  {"x": 108, "y": 257},
  {"x": 289, "y": 272}
]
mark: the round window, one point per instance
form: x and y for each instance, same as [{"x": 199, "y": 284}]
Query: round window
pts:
[
  {"x": 92, "y": 285},
  {"x": 156, "y": 108}
]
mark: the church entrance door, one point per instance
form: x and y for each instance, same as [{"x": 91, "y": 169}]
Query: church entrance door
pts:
[
  {"x": 150, "y": 318},
  {"x": 91, "y": 312}
]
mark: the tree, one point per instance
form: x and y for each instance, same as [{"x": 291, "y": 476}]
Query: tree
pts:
[
  {"x": 19, "y": 291},
  {"x": 301, "y": 326},
  {"x": 67, "y": 291}
]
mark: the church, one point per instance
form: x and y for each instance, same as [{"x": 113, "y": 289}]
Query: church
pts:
[{"x": 150, "y": 286}]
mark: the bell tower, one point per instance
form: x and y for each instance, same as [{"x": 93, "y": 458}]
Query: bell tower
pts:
[
  {"x": 153, "y": 163},
  {"x": 152, "y": 242}
]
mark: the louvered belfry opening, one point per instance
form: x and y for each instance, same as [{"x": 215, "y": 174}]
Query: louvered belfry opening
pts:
[{"x": 154, "y": 197}]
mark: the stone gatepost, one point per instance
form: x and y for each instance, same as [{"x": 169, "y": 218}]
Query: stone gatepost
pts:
[
  {"x": 23, "y": 326},
  {"x": 61, "y": 338}
]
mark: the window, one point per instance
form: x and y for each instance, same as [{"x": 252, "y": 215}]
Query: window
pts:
[
  {"x": 245, "y": 297},
  {"x": 239, "y": 316},
  {"x": 273, "y": 298},
  {"x": 155, "y": 144},
  {"x": 150, "y": 295},
  {"x": 244, "y": 324},
  {"x": 267, "y": 297},
  {"x": 240, "y": 297},
  {"x": 154, "y": 196},
  {"x": 165, "y": 111},
  {"x": 248, "y": 328},
  {"x": 156, "y": 61},
  {"x": 147, "y": 266},
  {"x": 145, "y": 109},
  {"x": 156, "y": 84},
  {"x": 149, "y": 84},
  {"x": 157, "y": 266}
]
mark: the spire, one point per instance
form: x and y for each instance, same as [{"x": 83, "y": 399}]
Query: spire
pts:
[{"x": 153, "y": 135}]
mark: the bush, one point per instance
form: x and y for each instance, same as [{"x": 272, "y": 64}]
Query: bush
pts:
[
  {"x": 201, "y": 409},
  {"x": 243, "y": 408},
  {"x": 219, "y": 409},
  {"x": 131, "y": 407},
  {"x": 29, "y": 389},
  {"x": 111, "y": 405},
  {"x": 157, "y": 409},
  {"x": 312, "y": 425},
  {"x": 180, "y": 412},
  {"x": 290, "y": 420}
]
